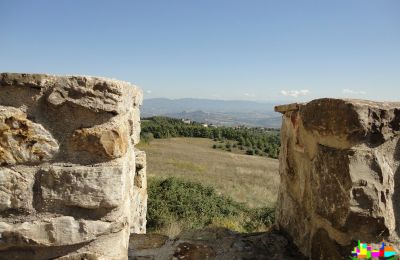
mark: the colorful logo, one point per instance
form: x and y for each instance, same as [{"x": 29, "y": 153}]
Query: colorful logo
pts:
[{"x": 365, "y": 251}]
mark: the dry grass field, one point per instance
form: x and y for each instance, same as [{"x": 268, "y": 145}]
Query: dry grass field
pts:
[{"x": 253, "y": 180}]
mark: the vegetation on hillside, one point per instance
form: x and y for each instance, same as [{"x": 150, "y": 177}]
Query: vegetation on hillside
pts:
[
  {"x": 178, "y": 204},
  {"x": 213, "y": 188},
  {"x": 253, "y": 180},
  {"x": 253, "y": 141}
]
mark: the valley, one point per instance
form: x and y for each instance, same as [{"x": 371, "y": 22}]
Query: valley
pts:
[{"x": 253, "y": 180}]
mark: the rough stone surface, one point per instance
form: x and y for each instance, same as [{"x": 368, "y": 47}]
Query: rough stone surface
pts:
[
  {"x": 106, "y": 141},
  {"x": 84, "y": 187},
  {"x": 56, "y": 231},
  {"x": 70, "y": 187},
  {"x": 16, "y": 190},
  {"x": 140, "y": 194},
  {"x": 214, "y": 243},
  {"x": 23, "y": 141},
  {"x": 340, "y": 175}
]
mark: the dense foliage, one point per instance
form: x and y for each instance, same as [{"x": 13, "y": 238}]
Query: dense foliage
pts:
[
  {"x": 193, "y": 205},
  {"x": 254, "y": 141}
]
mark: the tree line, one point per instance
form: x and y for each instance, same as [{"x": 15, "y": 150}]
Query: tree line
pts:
[{"x": 255, "y": 141}]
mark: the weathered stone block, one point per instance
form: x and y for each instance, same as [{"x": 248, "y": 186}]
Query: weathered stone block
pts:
[
  {"x": 106, "y": 141},
  {"x": 67, "y": 167},
  {"x": 139, "y": 203},
  {"x": 97, "y": 94},
  {"x": 22, "y": 141},
  {"x": 16, "y": 190},
  {"x": 83, "y": 186},
  {"x": 57, "y": 231},
  {"x": 340, "y": 175},
  {"x": 140, "y": 173}
]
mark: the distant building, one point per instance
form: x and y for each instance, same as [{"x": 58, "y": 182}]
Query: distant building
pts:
[
  {"x": 204, "y": 125},
  {"x": 186, "y": 121}
]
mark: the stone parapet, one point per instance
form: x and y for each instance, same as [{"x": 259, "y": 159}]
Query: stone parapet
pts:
[
  {"x": 72, "y": 186},
  {"x": 340, "y": 175}
]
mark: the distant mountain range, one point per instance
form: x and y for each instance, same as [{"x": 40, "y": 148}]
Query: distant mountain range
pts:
[{"x": 218, "y": 112}]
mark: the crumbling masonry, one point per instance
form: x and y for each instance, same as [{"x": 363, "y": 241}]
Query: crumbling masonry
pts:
[
  {"x": 340, "y": 175},
  {"x": 72, "y": 185}
]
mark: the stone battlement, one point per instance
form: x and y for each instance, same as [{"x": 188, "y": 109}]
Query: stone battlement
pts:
[
  {"x": 340, "y": 175},
  {"x": 72, "y": 185}
]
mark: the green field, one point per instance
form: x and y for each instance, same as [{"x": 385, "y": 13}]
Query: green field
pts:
[{"x": 253, "y": 180}]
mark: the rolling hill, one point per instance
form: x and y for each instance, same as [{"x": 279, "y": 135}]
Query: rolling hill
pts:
[
  {"x": 253, "y": 180},
  {"x": 217, "y": 112}
]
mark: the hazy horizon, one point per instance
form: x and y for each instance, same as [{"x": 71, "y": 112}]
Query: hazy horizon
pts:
[
  {"x": 217, "y": 99},
  {"x": 284, "y": 51}
]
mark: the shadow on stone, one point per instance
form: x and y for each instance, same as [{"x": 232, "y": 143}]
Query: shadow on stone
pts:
[
  {"x": 39, "y": 253},
  {"x": 396, "y": 193},
  {"x": 214, "y": 243}
]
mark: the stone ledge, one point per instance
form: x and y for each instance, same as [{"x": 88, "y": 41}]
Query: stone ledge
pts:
[
  {"x": 343, "y": 185},
  {"x": 286, "y": 108}
]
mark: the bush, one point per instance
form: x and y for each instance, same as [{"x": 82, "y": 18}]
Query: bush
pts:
[
  {"x": 250, "y": 152},
  {"x": 147, "y": 137},
  {"x": 260, "y": 218},
  {"x": 265, "y": 215},
  {"x": 214, "y": 146},
  {"x": 192, "y": 204},
  {"x": 188, "y": 205}
]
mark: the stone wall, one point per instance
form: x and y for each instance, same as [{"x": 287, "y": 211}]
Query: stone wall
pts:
[
  {"x": 72, "y": 186},
  {"x": 340, "y": 175},
  {"x": 213, "y": 243}
]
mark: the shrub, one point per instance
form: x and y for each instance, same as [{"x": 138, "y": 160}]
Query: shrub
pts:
[
  {"x": 214, "y": 146},
  {"x": 175, "y": 205},
  {"x": 229, "y": 223},
  {"x": 259, "y": 219},
  {"x": 192, "y": 204},
  {"x": 147, "y": 137},
  {"x": 250, "y": 151}
]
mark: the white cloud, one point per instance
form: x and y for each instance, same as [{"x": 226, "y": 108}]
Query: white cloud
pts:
[
  {"x": 295, "y": 93},
  {"x": 249, "y": 95},
  {"x": 148, "y": 91},
  {"x": 353, "y": 92}
]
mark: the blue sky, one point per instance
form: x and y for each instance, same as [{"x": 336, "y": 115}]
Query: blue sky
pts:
[{"x": 248, "y": 49}]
